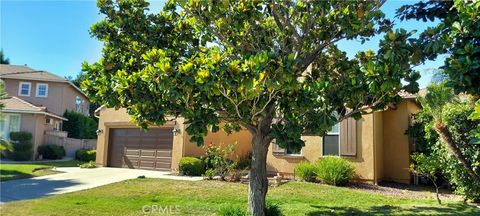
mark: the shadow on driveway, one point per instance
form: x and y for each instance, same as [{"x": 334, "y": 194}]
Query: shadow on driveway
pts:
[{"x": 32, "y": 188}]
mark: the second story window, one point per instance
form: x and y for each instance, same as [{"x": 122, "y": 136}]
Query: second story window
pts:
[
  {"x": 81, "y": 106},
  {"x": 42, "y": 90},
  {"x": 24, "y": 89}
]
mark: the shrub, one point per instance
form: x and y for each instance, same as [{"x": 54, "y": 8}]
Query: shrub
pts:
[
  {"x": 80, "y": 126},
  {"x": 22, "y": 146},
  {"x": 90, "y": 164},
  {"x": 306, "y": 171},
  {"x": 232, "y": 210},
  {"x": 209, "y": 174},
  {"x": 218, "y": 158},
  {"x": 237, "y": 210},
  {"x": 191, "y": 166},
  {"x": 86, "y": 155},
  {"x": 51, "y": 151},
  {"x": 462, "y": 130},
  {"x": 272, "y": 210},
  {"x": 244, "y": 162},
  {"x": 334, "y": 170}
]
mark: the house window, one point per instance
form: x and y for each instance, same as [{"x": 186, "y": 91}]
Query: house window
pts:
[
  {"x": 331, "y": 141},
  {"x": 57, "y": 126},
  {"x": 24, "y": 89},
  {"x": 277, "y": 150},
  {"x": 291, "y": 151},
  {"x": 42, "y": 90},
  {"x": 80, "y": 105},
  {"x": 9, "y": 123}
]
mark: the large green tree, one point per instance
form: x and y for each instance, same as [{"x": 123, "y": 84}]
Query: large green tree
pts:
[
  {"x": 457, "y": 35},
  {"x": 271, "y": 67}
]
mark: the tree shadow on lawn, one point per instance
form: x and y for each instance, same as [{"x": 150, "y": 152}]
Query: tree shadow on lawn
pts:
[
  {"x": 445, "y": 209},
  {"x": 14, "y": 174}
]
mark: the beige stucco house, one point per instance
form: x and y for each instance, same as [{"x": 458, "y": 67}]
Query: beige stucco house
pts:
[
  {"x": 376, "y": 144},
  {"x": 36, "y": 102}
]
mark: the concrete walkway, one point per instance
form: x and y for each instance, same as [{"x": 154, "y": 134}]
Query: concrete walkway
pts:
[{"x": 74, "y": 179}]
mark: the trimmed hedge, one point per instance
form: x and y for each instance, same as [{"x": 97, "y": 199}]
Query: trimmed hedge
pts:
[
  {"x": 80, "y": 126},
  {"x": 51, "y": 151},
  {"x": 86, "y": 155},
  {"x": 191, "y": 166},
  {"x": 22, "y": 146}
]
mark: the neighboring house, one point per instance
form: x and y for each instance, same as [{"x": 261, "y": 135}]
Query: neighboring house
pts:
[
  {"x": 376, "y": 144},
  {"x": 36, "y": 102}
]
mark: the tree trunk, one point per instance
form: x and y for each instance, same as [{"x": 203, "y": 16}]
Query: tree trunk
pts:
[
  {"x": 436, "y": 190},
  {"x": 258, "y": 184},
  {"x": 446, "y": 136}
]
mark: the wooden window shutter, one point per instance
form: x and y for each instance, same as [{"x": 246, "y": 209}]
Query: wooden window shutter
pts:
[
  {"x": 348, "y": 137},
  {"x": 276, "y": 150}
]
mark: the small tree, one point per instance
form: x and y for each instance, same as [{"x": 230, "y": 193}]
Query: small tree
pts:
[
  {"x": 428, "y": 167},
  {"x": 4, "y": 144},
  {"x": 441, "y": 105},
  {"x": 457, "y": 34},
  {"x": 271, "y": 67},
  {"x": 3, "y": 59}
]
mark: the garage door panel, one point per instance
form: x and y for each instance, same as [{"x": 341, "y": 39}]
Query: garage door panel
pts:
[
  {"x": 148, "y": 153},
  {"x": 132, "y": 152},
  {"x": 133, "y": 148},
  {"x": 164, "y": 153}
]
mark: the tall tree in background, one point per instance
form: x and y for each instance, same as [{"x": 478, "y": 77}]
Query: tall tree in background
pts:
[
  {"x": 271, "y": 67},
  {"x": 3, "y": 59},
  {"x": 458, "y": 35}
]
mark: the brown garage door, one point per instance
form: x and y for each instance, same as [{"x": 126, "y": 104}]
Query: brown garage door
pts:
[{"x": 133, "y": 148}]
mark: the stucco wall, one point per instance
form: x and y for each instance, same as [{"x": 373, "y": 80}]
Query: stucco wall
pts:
[
  {"x": 312, "y": 151},
  {"x": 241, "y": 139},
  {"x": 61, "y": 96},
  {"x": 35, "y": 124},
  {"x": 396, "y": 145},
  {"x": 378, "y": 145}
]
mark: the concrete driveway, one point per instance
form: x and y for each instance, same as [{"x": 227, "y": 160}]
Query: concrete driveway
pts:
[{"x": 74, "y": 179}]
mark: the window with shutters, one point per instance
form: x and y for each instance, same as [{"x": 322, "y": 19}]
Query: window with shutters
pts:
[
  {"x": 342, "y": 139},
  {"x": 348, "y": 137},
  {"x": 331, "y": 144}
]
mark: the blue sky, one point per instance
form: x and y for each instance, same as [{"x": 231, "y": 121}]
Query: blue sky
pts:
[{"x": 53, "y": 35}]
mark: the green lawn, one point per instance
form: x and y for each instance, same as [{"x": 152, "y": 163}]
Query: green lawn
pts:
[
  {"x": 205, "y": 197},
  {"x": 19, "y": 171}
]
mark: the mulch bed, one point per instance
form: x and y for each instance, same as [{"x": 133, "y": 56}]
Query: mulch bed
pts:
[{"x": 404, "y": 190}]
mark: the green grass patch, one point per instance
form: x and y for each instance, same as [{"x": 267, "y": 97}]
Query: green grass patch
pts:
[
  {"x": 19, "y": 171},
  {"x": 206, "y": 197}
]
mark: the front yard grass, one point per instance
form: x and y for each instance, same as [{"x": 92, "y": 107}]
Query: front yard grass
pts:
[
  {"x": 206, "y": 197},
  {"x": 19, "y": 171}
]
